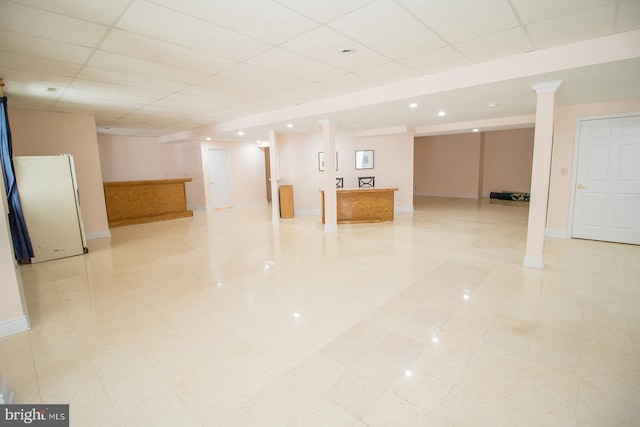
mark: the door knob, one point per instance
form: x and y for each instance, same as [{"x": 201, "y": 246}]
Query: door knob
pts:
[{"x": 580, "y": 187}]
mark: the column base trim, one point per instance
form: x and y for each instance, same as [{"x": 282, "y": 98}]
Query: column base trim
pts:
[
  {"x": 330, "y": 228},
  {"x": 533, "y": 262},
  {"x": 14, "y": 326}
]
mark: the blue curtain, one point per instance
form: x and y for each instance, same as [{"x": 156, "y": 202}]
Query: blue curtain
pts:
[{"x": 19, "y": 233}]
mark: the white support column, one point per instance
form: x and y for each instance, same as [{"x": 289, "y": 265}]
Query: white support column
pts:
[
  {"x": 541, "y": 168},
  {"x": 329, "y": 181},
  {"x": 275, "y": 176}
]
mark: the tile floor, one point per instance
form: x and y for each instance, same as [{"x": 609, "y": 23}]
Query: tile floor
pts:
[{"x": 226, "y": 319}]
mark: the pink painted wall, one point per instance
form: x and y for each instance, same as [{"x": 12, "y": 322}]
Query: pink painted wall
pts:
[
  {"x": 298, "y": 166},
  {"x": 564, "y": 142},
  {"x": 43, "y": 133},
  {"x": 135, "y": 158},
  {"x": 508, "y": 156},
  {"x": 447, "y": 165}
]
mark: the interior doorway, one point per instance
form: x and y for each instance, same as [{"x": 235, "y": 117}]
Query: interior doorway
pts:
[
  {"x": 607, "y": 180},
  {"x": 220, "y": 189}
]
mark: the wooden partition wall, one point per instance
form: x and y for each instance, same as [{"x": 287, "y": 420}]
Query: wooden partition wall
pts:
[{"x": 137, "y": 202}]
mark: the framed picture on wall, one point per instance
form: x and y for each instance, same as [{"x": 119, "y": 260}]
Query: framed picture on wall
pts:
[
  {"x": 364, "y": 159},
  {"x": 321, "y": 161}
]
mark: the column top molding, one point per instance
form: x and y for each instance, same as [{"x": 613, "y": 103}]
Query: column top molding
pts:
[{"x": 546, "y": 87}]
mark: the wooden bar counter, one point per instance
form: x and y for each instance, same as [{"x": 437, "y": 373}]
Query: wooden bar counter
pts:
[
  {"x": 360, "y": 205},
  {"x": 137, "y": 202}
]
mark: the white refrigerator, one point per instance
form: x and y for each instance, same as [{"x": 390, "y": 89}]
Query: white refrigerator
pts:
[{"x": 49, "y": 196}]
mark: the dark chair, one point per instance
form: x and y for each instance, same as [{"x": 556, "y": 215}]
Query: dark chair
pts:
[
  {"x": 366, "y": 181},
  {"x": 339, "y": 182}
]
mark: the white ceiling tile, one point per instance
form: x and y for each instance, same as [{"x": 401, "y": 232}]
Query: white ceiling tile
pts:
[
  {"x": 221, "y": 96},
  {"x": 574, "y": 27},
  {"x": 106, "y": 97},
  {"x": 437, "y": 60},
  {"x": 628, "y": 15},
  {"x": 324, "y": 44},
  {"x": 261, "y": 76},
  {"x": 263, "y": 20},
  {"x": 506, "y": 43},
  {"x": 127, "y": 64},
  {"x": 390, "y": 72},
  {"x": 325, "y": 10},
  {"x": 318, "y": 90},
  {"x": 118, "y": 88},
  {"x": 226, "y": 83},
  {"x": 125, "y": 79},
  {"x": 460, "y": 20},
  {"x": 40, "y": 80},
  {"x": 207, "y": 103},
  {"x": 159, "y": 22},
  {"x": 350, "y": 83},
  {"x": 102, "y": 12},
  {"x": 39, "y": 23},
  {"x": 397, "y": 33},
  {"x": 285, "y": 62},
  {"x": 81, "y": 104},
  {"x": 540, "y": 10},
  {"x": 40, "y": 48},
  {"x": 27, "y": 89},
  {"x": 18, "y": 99},
  {"x": 38, "y": 65},
  {"x": 137, "y": 46}
]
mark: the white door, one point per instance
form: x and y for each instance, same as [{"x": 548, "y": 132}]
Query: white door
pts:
[
  {"x": 607, "y": 193},
  {"x": 220, "y": 178},
  {"x": 48, "y": 198}
]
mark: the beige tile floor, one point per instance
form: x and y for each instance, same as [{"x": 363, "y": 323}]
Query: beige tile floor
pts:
[{"x": 226, "y": 319}]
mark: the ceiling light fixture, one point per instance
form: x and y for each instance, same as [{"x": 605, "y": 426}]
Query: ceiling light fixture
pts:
[
  {"x": 492, "y": 104},
  {"x": 441, "y": 113},
  {"x": 476, "y": 130},
  {"x": 52, "y": 89},
  {"x": 289, "y": 125},
  {"x": 208, "y": 138},
  {"x": 240, "y": 133},
  {"x": 413, "y": 105},
  {"x": 347, "y": 51}
]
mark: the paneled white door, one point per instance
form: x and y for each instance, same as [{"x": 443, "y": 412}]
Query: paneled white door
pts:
[
  {"x": 607, "y": 193},
  {"x": 220, "y": 188}
]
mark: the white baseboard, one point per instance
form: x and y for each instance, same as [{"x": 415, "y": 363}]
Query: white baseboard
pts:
[
  {"x": 533, "y": 262},
  {"x": 250, "y": 204},
  {"x": 444, "y": 195},
  {"x": 403, "y": 209},
  {"x": 14, "y": 326},
  {"x": 330, "y": 228},
  {"x": 98, "y": 234},
  {"x": 557, "y": 233},
  {"x": 308, "y": 212}
]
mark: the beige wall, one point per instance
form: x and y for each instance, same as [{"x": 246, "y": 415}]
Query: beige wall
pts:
[
  {"x": 460, "y": 165},
  {"x": 135, "y": 158},
  {"x": 447, "y": 165},
  {"x": 508, "y": 156},
  {"x": 42, "y": 133},
  {"x": 298, "y": 154},
  {"x": 564, "y": 142}
]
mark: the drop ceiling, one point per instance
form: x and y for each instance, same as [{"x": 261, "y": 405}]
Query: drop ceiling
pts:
[{"x": 160, "y": 68}]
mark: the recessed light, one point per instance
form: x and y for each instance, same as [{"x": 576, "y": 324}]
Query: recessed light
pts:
[
  {"x": 289, "y": 125},
  {"x": 492, "y": 104},
  {"x": 52, "y": 89},
  {"x": 413, "y": 105},
  {"x": 476, "y": 130},
  {"x": 208, "y": 138},
  {"x": 240, "y": 133},
  {"x": 441, "y": 113},
  {"x": 347, "y": 51}
]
